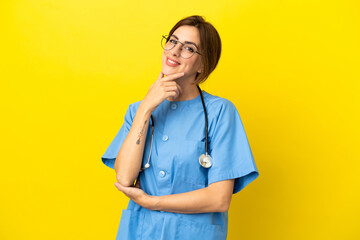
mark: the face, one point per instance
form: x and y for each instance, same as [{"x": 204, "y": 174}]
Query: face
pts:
[{"x": 172, "y": 62}]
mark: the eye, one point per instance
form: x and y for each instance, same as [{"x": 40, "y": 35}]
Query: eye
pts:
[
  {"x": 173, "y": 41},
  {"x": 190, "y": 49}
]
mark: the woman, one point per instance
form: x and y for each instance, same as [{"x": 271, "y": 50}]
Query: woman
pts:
[{"x": 178, "y": 195}]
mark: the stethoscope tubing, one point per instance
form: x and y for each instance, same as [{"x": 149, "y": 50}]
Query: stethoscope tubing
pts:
[
  {"x": 206, "y": 134},
  {"x": 206, "y": 120}
]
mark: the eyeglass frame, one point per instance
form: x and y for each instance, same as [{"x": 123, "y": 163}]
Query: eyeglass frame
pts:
[{"x": 167, "y": 37}]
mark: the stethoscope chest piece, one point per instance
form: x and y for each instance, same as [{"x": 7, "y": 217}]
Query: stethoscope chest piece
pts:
[{"x": 205, "y": 160}]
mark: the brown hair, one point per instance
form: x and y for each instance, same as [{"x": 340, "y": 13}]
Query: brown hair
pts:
[{"x": 210, "y": 44}]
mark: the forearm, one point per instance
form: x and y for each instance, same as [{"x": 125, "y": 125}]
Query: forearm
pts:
[
  {"x": 129, "y": 159},
  {"x": 197, "y": 201}
]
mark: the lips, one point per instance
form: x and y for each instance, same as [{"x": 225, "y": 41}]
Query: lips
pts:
[{"x": 172, "y": 62}]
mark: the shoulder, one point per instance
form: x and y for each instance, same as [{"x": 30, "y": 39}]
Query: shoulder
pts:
[
  {"x": 216, "y": 105},
  {"x": 132, "y": 108},
  {"x": 224, "y": 121}
]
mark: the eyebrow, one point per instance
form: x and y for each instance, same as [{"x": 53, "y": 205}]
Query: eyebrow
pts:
[{"x": 186, "y": 41}]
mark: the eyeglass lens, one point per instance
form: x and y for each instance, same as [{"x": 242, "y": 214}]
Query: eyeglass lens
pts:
[{"x": 186, "y": 51}]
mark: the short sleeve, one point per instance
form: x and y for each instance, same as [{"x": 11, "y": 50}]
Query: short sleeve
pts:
[
  {"x": 230, "y": 149},
  {"x": 112, "y": 151}
]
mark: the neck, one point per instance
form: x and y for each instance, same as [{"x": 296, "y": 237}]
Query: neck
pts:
[{"x": 189, "y": 91}]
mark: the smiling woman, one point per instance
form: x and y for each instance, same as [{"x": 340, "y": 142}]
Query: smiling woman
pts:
[
  {"x": 205, "y": 39},
  {"x": 186, "y": 168}
]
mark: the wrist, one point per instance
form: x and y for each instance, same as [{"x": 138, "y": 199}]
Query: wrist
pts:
[
  {"x": 154, "y": 203},
  {"x": 145, "y": 109}
]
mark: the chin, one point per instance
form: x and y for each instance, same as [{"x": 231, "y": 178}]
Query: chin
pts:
[{"x": 168, "y": 71}]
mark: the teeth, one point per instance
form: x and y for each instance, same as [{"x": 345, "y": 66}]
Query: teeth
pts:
[{"x": 172, "y": 61}]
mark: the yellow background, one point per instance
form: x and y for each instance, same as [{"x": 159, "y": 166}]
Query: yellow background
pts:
[{"x": 69, "y": 70}]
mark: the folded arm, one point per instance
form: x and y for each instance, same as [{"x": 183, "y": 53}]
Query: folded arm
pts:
[{"x": 214, "y": 198}]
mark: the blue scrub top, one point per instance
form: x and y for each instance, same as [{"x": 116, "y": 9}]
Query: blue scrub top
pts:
[{"x": 179, "y": 140}]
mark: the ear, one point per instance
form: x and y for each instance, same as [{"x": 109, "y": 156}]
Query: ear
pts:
[{"x": 200, "y": 67}]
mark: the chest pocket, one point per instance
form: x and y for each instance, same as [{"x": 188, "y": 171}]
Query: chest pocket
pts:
[{"x": 189, "y": 175}]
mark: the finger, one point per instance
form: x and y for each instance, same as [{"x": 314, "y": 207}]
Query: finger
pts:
[
  {"x": 173, "y": 84},
  {"x": 170, "y": 99},
  {"x": 119, "y": 186},
  {"x": 179, "y": 88},
  {"x": 173, "y": 89},
  {"x": 124, "y": 190},
  {"x": 172, "y": 76},
  {"x": 169, "y": 84},
  {"x": 171, "y": 95},
  {"x": 161, "y": 75}
]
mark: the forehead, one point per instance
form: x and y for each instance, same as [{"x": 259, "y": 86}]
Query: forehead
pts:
[{"x": 188, "y": 33}]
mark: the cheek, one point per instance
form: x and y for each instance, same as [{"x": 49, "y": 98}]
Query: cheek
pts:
[
  {"x": 194, "y": 64},
  {"x": 198, "y": 64}
]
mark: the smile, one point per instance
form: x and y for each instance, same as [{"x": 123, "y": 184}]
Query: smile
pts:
[{"x": 171, "y": 62}]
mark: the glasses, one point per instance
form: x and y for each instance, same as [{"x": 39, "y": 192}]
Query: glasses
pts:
[{"x": 187, "y": 50}]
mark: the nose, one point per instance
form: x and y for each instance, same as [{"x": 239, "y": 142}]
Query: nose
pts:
[{"x": 176, "y": 50}]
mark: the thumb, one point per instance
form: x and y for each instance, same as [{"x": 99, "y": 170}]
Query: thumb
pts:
[
  {"x": 124, "y": 190},
  {"x": 118, "y": 186}
]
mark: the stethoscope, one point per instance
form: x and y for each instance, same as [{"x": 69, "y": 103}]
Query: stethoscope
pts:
[{"x": 205, "y": 159}]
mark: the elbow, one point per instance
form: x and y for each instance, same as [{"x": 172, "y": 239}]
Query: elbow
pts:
[
  {"x": 126, "y": 182},
  {"x": 223, "y": 208},
  {"x": 221, "y": 198},
  {"x": 122, "y": 178},
  {"x": 224, "y": 204}
]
